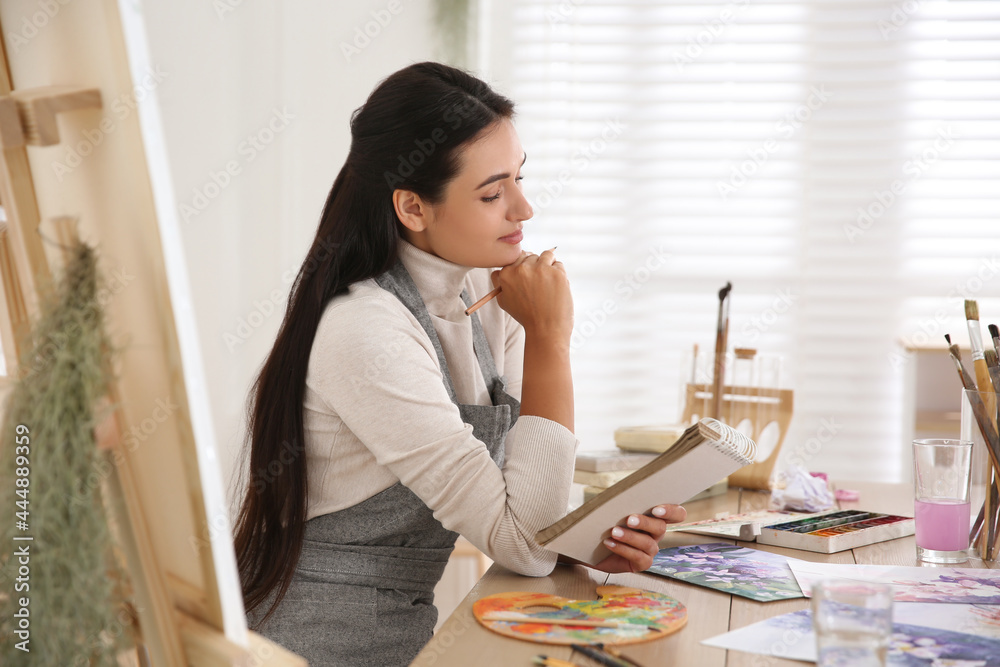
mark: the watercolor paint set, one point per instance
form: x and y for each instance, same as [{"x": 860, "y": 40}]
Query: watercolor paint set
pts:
[{"x": 835, "y": 531}]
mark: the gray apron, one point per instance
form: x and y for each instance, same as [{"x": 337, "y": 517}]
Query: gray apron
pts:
[{"x": 363, "y": 590}]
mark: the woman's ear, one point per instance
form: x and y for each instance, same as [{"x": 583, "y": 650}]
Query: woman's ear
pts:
[{"x": 411, "y": 210}]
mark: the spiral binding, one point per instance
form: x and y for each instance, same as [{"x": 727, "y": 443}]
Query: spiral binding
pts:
[{"x": 732, "y": 443}]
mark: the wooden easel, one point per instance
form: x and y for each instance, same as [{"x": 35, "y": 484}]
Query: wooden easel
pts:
[
  {"x": 171, "y": 548},
  {"x": 761, "y": 407}
]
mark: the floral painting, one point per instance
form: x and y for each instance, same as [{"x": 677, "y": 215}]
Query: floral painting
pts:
[
  {"x": 911, "y": 584},
  {"x": 791, "y": 636},
  {"x": 758, "y": 575}
]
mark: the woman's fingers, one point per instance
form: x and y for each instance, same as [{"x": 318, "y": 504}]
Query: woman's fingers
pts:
[
  {"x": 670, "y": 513},
  {"x": 647, "y": 524},
  {"x": 638, "y": 541},
  {"x": 547, "y": 256},
  {"x": 635, "y": 547}
]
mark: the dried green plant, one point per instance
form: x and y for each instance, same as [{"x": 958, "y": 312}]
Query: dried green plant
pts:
[{"x": 75, "y": 613}]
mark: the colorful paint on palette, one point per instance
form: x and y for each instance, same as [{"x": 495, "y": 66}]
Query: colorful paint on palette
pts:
[{"x": 649, "y": 615}]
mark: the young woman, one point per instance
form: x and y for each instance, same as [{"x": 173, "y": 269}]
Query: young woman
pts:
[{"x": 385, "y": 421}]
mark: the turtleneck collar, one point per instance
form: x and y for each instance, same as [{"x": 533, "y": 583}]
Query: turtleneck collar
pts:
[{"x": 439, "y": 281}]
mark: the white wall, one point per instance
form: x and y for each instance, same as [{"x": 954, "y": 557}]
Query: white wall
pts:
[{"x": 229, "y": 74}]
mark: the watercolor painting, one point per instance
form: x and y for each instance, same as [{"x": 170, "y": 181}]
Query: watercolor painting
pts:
[
  {"x": 910, "y": 584},
  {"x": 649, "y": 615},
  {"x": 791, "y": 636},
  {"x": 972, "y": 619},
  {"x": 749, "y": 573}
]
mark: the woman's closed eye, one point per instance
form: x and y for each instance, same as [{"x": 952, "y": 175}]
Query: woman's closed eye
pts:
[{"x": 497, "y": 195}]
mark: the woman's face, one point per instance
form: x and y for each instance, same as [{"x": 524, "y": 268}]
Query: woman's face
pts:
[{"x": 479, "y": 220}]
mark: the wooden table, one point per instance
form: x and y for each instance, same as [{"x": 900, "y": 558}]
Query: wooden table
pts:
[{"x": 462, "y": 641}]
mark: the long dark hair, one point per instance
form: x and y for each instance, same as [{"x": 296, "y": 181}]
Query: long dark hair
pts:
[{"x": 406, "y": 136}]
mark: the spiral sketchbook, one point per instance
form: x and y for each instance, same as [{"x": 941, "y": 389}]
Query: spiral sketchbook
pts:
[{"x": 707, "y": 451}]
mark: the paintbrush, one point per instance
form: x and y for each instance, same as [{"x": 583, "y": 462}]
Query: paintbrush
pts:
[
  {"x": 616, "y": 652},
  {"x": 986, "y": 426},
  {"x": 694, "y": 365},
  {"x": 721, "y": 334},
  {"x": 599, "y": 655},
  {"x": 995, "y": 333},
  {"x": 518, "y": 617},
  {"x": 992, "y": 360},
  {"x": 978, "y": 359},
  {"x": 985, "y": 387},
  {"x": 552, "y": 662},
  {"x": 482, "y": 302}
]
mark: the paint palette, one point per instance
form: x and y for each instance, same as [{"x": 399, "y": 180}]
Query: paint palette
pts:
[
  {"x": 835, "y": 531},
  {"x": 637, "y": 616}
]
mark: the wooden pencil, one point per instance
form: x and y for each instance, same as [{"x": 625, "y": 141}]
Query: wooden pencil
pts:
[{"x": 479, "y": 304}]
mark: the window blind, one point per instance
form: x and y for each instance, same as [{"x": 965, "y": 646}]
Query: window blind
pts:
[{"x": 838, "y": 162}]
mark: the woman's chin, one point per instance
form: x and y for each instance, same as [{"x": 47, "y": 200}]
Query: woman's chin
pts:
[{"x": 510, "y": 253}]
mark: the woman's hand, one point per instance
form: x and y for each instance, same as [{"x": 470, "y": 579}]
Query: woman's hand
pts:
[
  {"x": 536, "y": 293},
  {"x": 633, "y": 549}
]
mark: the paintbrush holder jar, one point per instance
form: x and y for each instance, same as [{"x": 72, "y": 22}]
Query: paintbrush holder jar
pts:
[{"x": 981, "y": 463}]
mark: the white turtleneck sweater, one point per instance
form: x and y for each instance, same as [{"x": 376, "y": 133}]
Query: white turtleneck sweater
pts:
[{"x": 377, "y": 412}]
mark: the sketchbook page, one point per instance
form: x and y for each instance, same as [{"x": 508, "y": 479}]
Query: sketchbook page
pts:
[{"x": 690, "y": 474}]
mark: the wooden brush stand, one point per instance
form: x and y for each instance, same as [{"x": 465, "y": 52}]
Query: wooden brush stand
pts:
[{"x": 758, "y": 407}]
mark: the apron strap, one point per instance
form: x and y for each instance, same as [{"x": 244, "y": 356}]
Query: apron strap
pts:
[
  {"x": 479, "y": 343},
  {"x": 397, "y": 280}
]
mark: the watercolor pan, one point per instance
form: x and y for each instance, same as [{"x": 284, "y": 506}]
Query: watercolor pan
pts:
[{"x": 835, "y": 531}]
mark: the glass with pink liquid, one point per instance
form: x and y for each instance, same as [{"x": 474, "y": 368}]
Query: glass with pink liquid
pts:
[{"x": 941, "y": 507}]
